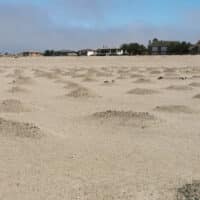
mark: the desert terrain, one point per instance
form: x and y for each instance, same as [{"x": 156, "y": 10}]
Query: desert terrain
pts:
[{"x": 100, "y": 128}]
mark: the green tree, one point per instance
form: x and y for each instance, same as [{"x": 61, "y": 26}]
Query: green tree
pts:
[
  {"x": 134, "y": 49},
  {"x": 49, "y": 53}
]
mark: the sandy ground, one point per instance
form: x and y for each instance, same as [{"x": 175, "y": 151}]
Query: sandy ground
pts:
[{"x": 100, "y": 128}]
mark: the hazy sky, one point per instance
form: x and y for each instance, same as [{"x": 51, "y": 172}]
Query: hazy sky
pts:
[{"x": 74, "y": 24}]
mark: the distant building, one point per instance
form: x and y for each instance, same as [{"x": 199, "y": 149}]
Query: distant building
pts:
[
  {"x": 160, "y": 47},
  {"x": 60, "y": 53},
  {"x": 65, "y": 53},
  {"x": 195, "y": 49},
  {"x": 87, "y": 52},
  {"x": 110, "y": 52},
  {"x": 31, "y": 53}
]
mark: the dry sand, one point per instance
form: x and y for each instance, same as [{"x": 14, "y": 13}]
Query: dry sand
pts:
[{"x": 64, "y": 134}]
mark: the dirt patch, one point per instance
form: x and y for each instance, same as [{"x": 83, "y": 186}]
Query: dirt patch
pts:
[
  {"x": 124, "y": 117},
  {"x": 189, "y": 191},
  {"x": 142, "y": 91},
  {"x": 174, "y": 109},
  {"x": 82, "y": 92},
  {"x": 179, "y": 87},
  {"x": 13, "y": 106},
  {"x": 19, "y": 129}
]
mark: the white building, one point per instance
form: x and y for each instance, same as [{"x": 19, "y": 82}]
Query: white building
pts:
[
  {"x": 110, "y": 52},
  {"x": 87, "y": 52}
]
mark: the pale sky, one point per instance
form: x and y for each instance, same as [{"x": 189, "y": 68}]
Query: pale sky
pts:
[{"x": 76, "y": 24}]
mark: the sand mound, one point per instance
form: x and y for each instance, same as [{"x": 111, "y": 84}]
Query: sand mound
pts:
[
  {"x": 189, "y": 192},
  {"x": 171, "y": 76},
  {"x": 179, "y": 87},
  {"x": 103, "y": 74},
  {"x": 61, "y": 81},
  {"x": 12, "y": 106},
  {"x": 174, "y": 109},
  {"x": 91, "y": 71},
  {"x": 124, "y": 117},
  {"x": 58, "y": 71},
  {"x": 123, "y": 77},
  {"x": 155, "y": 72},
  {"x": 197, "y": 96},
  {"x": 142, "y": 91},
  {"x": 81, "y": 92},
  {"x": 2, "y": 71},
  {"x": 45, "y": 74},
  {"x": 196, "y": 76},
  {"x": 136, "y": 76},
  {"x": 16, "y": 73},
  {"x": 195, "y": 84},
  {"x": 17, "y": 89},
  {"x": 108, "y": 82},
  {"x": 170, "y": 70},
  {"x": 89, "y": 79},
  {"x": 19, "y": 129},
  {"x": 142, "y": 80},
  {"x": 77, "y": 75},
  {"x": 183, "y": 78},
  {"x": 22, "y": 80},
  {"x": 71, "y": 85},
  {"x": 123, "y": 114}
]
